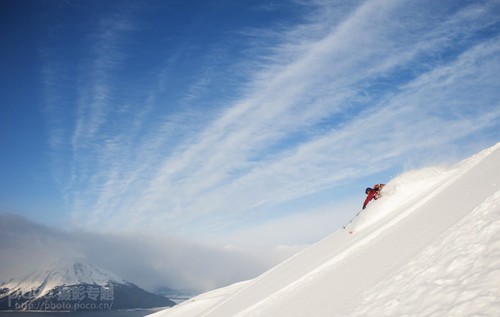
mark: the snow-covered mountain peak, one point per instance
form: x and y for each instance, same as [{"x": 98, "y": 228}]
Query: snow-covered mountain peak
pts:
[
  {"x": 63, "y": 271},
  {"x": 73, "y": 283},
  {"x": 78, "y": 270}
]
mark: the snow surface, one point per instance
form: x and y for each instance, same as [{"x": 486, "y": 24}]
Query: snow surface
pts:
[
  {"x": 429, "y": 247},
  {"x": 64, "y": 271}
]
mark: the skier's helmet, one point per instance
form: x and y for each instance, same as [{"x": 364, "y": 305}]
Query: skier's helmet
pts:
[{"x": 367, "y": 190}]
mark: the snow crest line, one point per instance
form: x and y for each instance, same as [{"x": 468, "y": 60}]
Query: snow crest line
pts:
[
  {"x": 365, "y": 240},
  {"x": 425, "y": 197}
]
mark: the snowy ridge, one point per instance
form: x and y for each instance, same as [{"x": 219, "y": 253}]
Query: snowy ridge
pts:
[
  {"x": 465, "y": 284},
  {"x": 414, "y": 188},
  {"x": 63, "y": 271},
  {"x": 419, "y": 239}
]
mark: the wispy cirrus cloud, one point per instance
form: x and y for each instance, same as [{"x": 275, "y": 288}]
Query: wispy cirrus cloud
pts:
[{"x": 328, "y": 102}]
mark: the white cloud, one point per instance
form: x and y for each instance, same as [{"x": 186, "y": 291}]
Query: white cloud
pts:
[
  {"x": 150, "y": 262},
  {"x": 337, "y": 99}
]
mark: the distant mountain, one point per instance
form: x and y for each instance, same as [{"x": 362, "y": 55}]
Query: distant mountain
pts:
[
  {"x": 176, "y": 295},
  {"x": 73, "y": 283}
]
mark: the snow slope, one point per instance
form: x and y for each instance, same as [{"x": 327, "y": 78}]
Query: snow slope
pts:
[{"x": 429, "y": 247}]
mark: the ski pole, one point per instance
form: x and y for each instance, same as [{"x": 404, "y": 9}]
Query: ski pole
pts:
[{"x": 352, "y": 219}]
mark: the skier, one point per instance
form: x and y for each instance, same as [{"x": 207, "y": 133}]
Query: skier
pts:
[{"x": 373, "y": 193}]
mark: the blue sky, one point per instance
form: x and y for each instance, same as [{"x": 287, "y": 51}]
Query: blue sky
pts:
[{"x": 242, "y": 124}]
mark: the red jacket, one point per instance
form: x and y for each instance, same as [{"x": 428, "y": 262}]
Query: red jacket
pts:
[{"x": 373, "y": 194}]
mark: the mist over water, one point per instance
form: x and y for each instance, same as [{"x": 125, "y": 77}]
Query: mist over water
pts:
[{"x": 102, "y": 313}]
